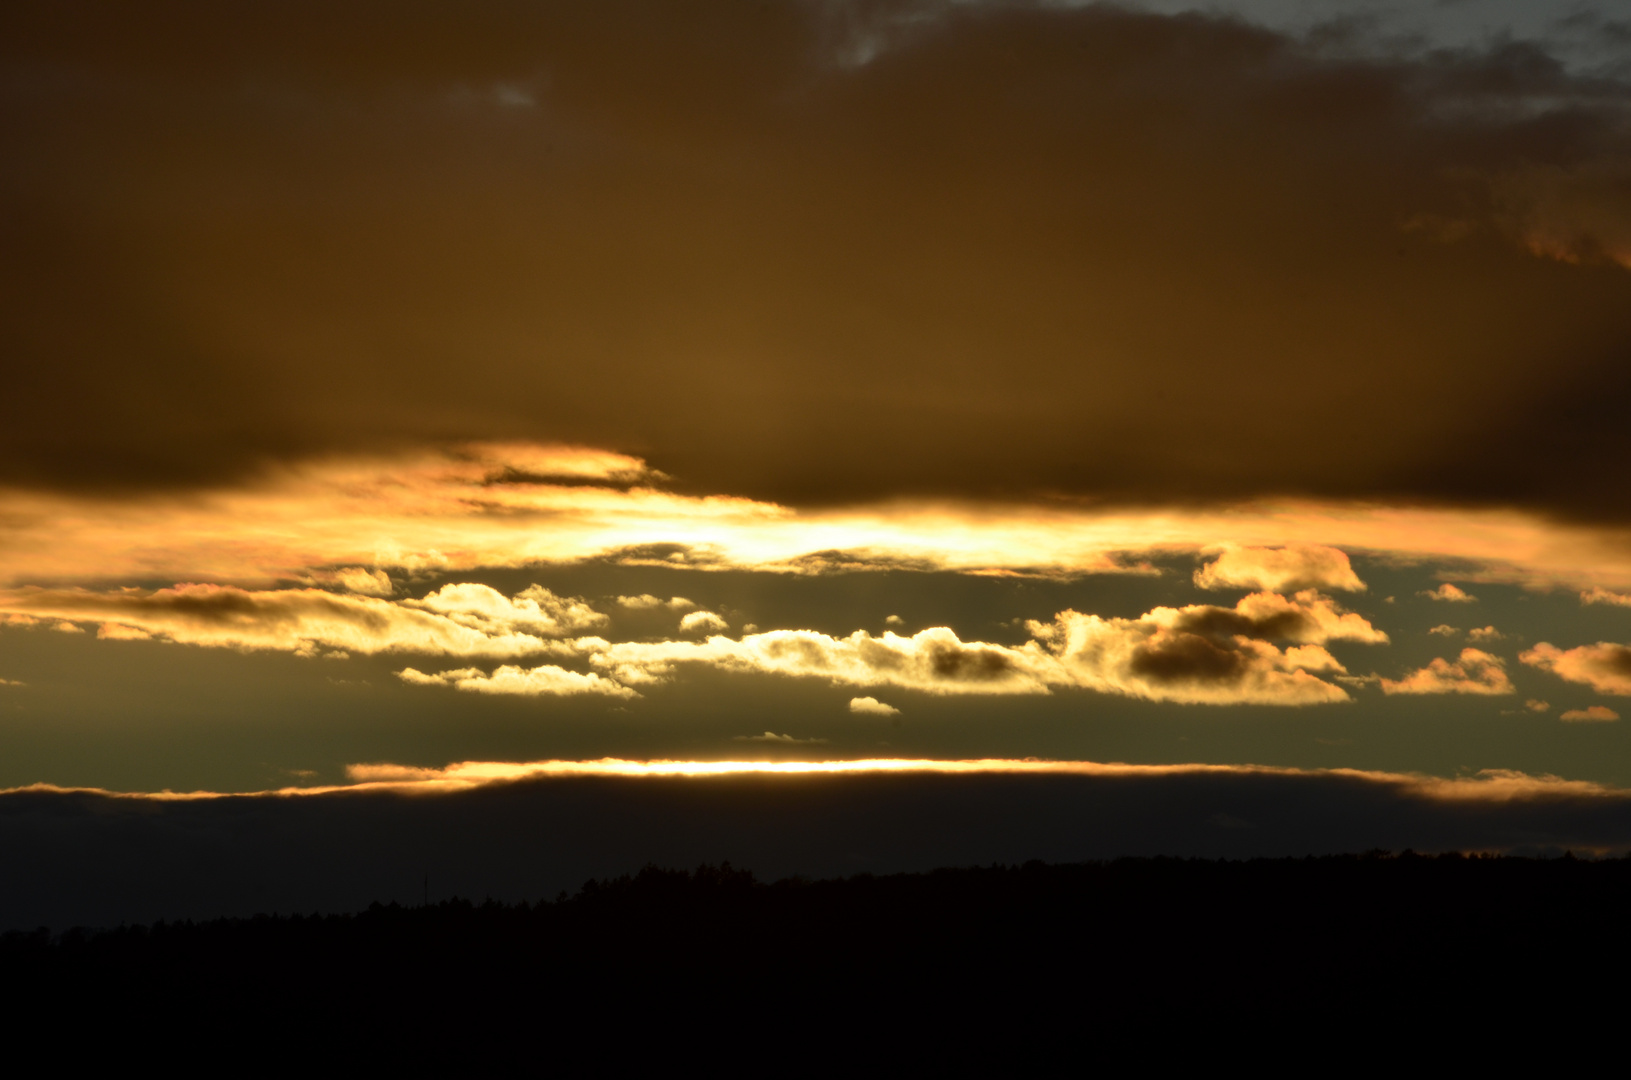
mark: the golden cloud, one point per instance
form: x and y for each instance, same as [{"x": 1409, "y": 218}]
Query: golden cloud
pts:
[
  {"x": 1473, "y": 672},
  {"x": 703, "y": 622},
  {"x": 1287, "y": 569},
  {"x": 1488, "y": 785},
  {"x": 1450, "y": 594},
  {"x": 463, "y": 620},
  {"x": 546, "y": 680},
  {"x": 1200, "y": 654},
  {"x": 1604, "y": 667},
  {"x": 1591, "y": 714},
  {"x": 485, "y": 506}
]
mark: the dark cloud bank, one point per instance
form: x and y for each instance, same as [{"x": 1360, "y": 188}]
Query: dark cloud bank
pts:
[
  {"x": 77, "y": 858},
  {"x": 1000, "y": 248}
]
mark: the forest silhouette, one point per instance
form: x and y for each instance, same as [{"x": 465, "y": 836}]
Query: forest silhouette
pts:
[{"x": 973, "y": 958}]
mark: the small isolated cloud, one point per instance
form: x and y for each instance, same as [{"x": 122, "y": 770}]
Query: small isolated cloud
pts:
[
  {"x": 894, "y": 620},
  {"x": 1449, "y": 594},
  {"x": 12, "y": 682},
  {"x": 646, "y": 602},
  {"x": 117, "y": 632},
  {"x": 1594, "y": 714},
  {"x": 1605, "y": 667},
  {"x": 871, "y": 706},
  {"x": 65, "y": 627},
  {"x": 780, "y": 740},
  {"x": 1537, "y": 705},
  {"x": 1485, "y": 633},
  {"x": 1474, "y": 672},
  {"x": 1445, "y": 630},
  {"x": 1600, "y": 595},
  {"x": 703, "y": 622},
  {"x": 1287, "y": 569},
  {"x": 547, "y": 680}
]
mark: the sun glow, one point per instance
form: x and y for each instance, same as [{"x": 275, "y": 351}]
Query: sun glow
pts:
[
  {"x": 485, "y": 505},
  {"x": 1488, "y": 785}
]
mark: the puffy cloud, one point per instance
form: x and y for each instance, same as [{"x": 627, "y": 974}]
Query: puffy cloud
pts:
[
  {"x": 1485, "y": 633},
  {"x": 933, "y": 660},
  {"x": 1287, "y": 569},
  {"x": 534, "y": 609},
  {"x": 459, "y": 620},
  {"x": 894, "y": 620},
  {"x": 368, "y": 582},
  {"x": 1449, "y": 594},
  {"x": 547, "y": 680},
  {"x": 1211, "y": 655},
  {"x": 1604, "y": 667},
  {"x": 1444, "y": 630},
  {"x": 1600, "y": 595},
  {"x": 779, "y": 740},
  {"x": 703, "y": 622},
  {"x": 1537, "y": 705},
  {"x": 1473, "y": 672},
  {"x": 1591, "y": 714},
  {"x": 1200, "y": 654},
  {"x": 871, "y": 706}
]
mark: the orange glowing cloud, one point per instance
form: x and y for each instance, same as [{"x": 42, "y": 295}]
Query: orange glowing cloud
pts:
[
  {"x": 1473, "y": 672},
  {"x": 358, "y": 523},
  {"x": 1302, "y": 566},
  {"x": 1591, "y": 714},
  {"x": 545, "y": 680},
  {"x": 458, "y": 620},
  {"x": 1604, "y": 667},
  {"x": 1489, "y": 785},
  {"x": 1201, "y": 654}
]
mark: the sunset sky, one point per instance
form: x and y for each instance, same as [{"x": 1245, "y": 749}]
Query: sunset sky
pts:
[{"x": 412, "y": 393}]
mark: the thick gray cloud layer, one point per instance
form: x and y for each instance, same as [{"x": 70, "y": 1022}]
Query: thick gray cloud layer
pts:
[
  {"x": 91, "y": 859},
  {"x": 813, "y": 251}
]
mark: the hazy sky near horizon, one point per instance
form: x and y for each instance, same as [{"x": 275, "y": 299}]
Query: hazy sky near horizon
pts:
[{"x": 419, "y": 383}]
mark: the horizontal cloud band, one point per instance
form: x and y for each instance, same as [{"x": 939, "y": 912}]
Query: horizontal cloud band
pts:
[
  {"x": 327, "y": 522},
  {"x": 1201, "y": 654}
]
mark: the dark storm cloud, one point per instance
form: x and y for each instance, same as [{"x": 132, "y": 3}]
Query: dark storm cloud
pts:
[
  {"x": 91, "y": 859},
  {"x": 812, "y": 251}
]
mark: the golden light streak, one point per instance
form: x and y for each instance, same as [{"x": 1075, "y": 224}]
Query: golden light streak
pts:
[
  {"x": 502, "y": 506},
  {"x": 1489, "y": 785}
]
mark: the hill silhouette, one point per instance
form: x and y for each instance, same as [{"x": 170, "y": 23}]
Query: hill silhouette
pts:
[{"x": 962, "y": 961}]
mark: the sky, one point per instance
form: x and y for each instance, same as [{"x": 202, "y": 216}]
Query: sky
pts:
[{"x": 419, "y": 396}]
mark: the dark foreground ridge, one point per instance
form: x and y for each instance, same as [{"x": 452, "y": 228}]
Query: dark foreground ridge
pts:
[{"x": 968, "y": 955}]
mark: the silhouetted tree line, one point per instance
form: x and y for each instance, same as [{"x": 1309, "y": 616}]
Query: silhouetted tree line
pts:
[{"x": 971, "y": 958}]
